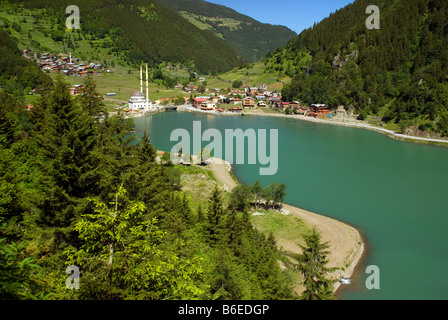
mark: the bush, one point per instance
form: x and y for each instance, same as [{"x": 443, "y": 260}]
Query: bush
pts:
[{"x": 362, "y": 115}]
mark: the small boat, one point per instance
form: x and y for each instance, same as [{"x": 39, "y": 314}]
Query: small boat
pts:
[{"x": 345, "y": 281}]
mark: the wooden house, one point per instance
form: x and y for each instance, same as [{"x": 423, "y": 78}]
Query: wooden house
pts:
[{"x": 249, "y": 103}]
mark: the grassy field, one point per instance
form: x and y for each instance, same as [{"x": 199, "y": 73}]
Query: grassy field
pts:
[
  {"x": 253, "y": 76},
  {"x": 288, "y": 230},
  {"x": 124, "y": 84}
]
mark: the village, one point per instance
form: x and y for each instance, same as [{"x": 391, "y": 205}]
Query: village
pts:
[
  {"x": 66, "y": 64},
  {"x": 249, "y": 98},
  {"x": 234, "y": 101}
]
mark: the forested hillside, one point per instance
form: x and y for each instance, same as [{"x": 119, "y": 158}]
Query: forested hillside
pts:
[
  {"x": 398, "y": 72},
  {"x": 251, "y": 38},
  {"x": 18, "y": 75},
  {"x": 140, "y": 30}
]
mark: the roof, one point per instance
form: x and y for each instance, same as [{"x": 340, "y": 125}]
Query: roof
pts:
[{"x": 137, "y": 94}]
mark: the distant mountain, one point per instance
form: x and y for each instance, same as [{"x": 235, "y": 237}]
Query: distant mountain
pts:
[
  {"x": 143, "y": 30},
  {"x": 252, "y": 39},
  {"x": 398, "y": 73}
]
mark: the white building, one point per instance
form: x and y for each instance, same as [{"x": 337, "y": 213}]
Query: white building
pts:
[{"x": 137, "y": 101}]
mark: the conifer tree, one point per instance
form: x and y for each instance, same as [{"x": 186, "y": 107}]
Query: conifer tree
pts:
[
  {"x": 90, "y": 100},
  {"x": 215, "y": 215},
  {"x": 67, "y": 142},
  {"x": 312, "y": 264}
]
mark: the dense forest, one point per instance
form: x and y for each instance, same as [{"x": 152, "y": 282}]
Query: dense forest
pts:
[
  {"x": 398, "y": 73},
  {"x": 143, "y": 30},
  {"x": 250, "y": 38}
]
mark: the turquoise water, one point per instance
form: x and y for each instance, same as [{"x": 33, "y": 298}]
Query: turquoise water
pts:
[{"x": 394, "y": 192}]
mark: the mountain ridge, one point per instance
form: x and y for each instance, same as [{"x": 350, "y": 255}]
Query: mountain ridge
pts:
[{"x": 253, "y": 39}]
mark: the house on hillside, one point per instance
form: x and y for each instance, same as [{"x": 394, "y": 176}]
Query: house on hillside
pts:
[
  {"x": 190, "y": 88},
  {"x": 319, "y": 111},
  {"x": 275, "y": 103},
  {"x": 294, "y": 105},
  {"x": 208, "y": 106},
  {"x": 249, "y": 103},
  {"x": 253, "y": 91},
  {"x": 236, "y": 110},
  {"x": 302, "y": 111},
  {"x": 262, "y": 104},
  {"x": 197, "y": 102}
]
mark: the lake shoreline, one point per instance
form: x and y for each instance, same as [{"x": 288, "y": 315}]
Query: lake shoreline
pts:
[
  {"x": 347, "y": 242},
  {"x": 351, "y": 124},
  {"x": 391, "y": 134}
]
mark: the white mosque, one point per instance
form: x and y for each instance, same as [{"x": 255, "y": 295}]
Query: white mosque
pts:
[{"x": 138, "y": 101}]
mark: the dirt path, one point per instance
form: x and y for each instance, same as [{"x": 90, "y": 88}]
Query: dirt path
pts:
[
  {"x": 221, "y": 170},
  {"x": 345, "y": 241}
]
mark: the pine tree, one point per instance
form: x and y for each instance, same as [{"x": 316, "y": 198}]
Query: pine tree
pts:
[
  {"x": 115, "y": 150},
  {"x": 312, "y": 264},
  {"x": 200, "y": 214},
  {"x": 67, "y": 141},
  {"x": 215, "y": 215},
  {"x": 90, "y": 100}
]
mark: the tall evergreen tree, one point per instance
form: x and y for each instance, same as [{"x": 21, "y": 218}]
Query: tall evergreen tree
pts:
[
  {"x": 215, "y": 217},
  {"x": 66, "y": 143},
  {"x": 90, "y": 100},
  {"x": 312, "y": 264}
]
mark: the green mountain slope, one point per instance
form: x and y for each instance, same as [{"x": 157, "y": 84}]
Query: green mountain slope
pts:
[
  {"x": 141, "y": 30},
  {"x": 16, "y": 73},
  {"x": 252, "y": 39},
  {"x": 398, "y": 72}
]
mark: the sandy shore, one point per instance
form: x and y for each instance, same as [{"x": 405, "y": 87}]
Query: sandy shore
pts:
[{"x": 346, "y": 242}]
